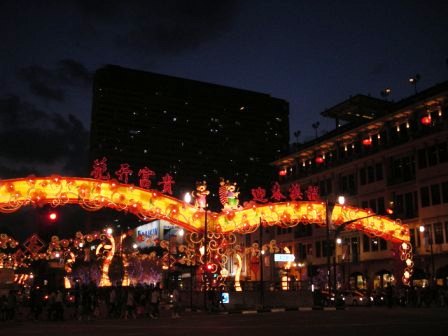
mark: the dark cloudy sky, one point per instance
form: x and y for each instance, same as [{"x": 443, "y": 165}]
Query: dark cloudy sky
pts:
[{"x": 313, "y": 54}]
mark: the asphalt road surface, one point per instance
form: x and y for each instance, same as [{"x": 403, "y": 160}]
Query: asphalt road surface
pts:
[{"x": 355, "y": 321}]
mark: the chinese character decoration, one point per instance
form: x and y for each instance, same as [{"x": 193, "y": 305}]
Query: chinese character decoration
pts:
[
  {"x": 294, "y": 192},
  {"x": 167, "y": 182},
  {"x": 145, "y": 175},
  {"x": 123, "y": 173},
  {"x": 200, "y": 195},
  {"x": 259, "y": 195},
  {"x": 228, "y": 194},
  {"x": 99, "y": 169},
  {"x": 276, "y": 192},
  {"x": 33, "y": 245},
  {"x": 312, "y": 193}
]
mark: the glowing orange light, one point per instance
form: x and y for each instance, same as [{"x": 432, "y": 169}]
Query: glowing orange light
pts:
[
  {"x": 367, "y": 142},
  {"x": 52, "y": 216},
  {"x": 426, "y": 120},
  {"x": 319, "y": 159},
  {"x": 282, "y": 172}
]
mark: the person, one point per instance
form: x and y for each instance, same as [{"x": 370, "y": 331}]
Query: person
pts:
[
  {"x": 176, "y": 303},
  {"x": 59, "y": 306},
  {"x": 11, "y": 305},
  {"x": 221, "y": 298},
  {"x": 390, "y": 295},
  {"x": 130, "y": 304},
  {"x": 155, "y": 301},
  {"x": 51, "y": 306},
  {"x": 113, "y": 306},
  {"x": 36, "y": 303}
]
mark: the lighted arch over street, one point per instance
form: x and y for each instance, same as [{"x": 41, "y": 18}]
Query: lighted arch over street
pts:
[{"x": 147, "y": 204}]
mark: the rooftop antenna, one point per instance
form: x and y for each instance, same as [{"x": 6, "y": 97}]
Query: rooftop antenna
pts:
[
  {"x": 297, "y": 135},
  {"x": 316, "y": 126},
  {"x": 413, "y": 81},
  {"x": 386, "y": 93}
]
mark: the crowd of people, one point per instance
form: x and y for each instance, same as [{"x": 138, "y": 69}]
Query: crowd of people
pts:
[{"x": 88, "y": 302}]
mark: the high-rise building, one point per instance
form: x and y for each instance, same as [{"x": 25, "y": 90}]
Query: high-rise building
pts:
[
  {"x": 193, "y": 130},
  {"x": 386, "y": 155}
]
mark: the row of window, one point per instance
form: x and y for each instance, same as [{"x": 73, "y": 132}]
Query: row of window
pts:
[
  {"x": 434, "y": 194},
  {"x": 435, "y": 233},
  {"x": 371, "y": 174},
  {"x": 377, "y": 205},
  {"x": 432, "y": 156},
  {"x": 400, "y": 168}
]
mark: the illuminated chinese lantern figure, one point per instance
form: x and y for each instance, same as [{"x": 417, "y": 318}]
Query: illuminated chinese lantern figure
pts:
[{"x": 200, "y": 195}]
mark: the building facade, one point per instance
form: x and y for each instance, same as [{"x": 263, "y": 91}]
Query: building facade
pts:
[
  {"x": 386, "y": 155},
  {"x": 192, "y": 130}
]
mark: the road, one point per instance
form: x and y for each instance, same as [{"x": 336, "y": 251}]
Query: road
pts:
[{"x": 354, "y": 321}]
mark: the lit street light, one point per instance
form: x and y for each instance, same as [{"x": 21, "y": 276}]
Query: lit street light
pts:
[
  {"x": 331, "y": 246},
  {"x": 329, "y": 206}
]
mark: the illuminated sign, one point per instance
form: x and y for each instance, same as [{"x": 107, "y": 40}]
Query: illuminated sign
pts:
[
  {"x": 146, "y": 234},
  {"x": 284, "y": 257},
  {"x": 225, "y": 297}
]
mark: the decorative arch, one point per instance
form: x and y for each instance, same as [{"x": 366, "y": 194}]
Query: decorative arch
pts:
[{"x": 93, "y": 195}]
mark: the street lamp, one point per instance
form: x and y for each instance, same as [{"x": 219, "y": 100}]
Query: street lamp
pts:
[
  {"x": 261, "y": 264},
  {"x": 337, "y": 231},
  {"x": 328, "y": 212},
  {"x": 429, "y": 235},
  {"x": 187, "y": 199}
]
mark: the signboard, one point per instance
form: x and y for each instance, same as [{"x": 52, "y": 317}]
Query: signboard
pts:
[
  {"x": 278, "y": 257},
  {"x": 146, "y": 234},
  {"x": 225, "y": 297}
]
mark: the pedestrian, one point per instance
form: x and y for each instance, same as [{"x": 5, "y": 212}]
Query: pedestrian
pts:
[
  {"x": 155, "y": 301},
  {"x": 113, "y": 303},
  {"x": 390, "y": 295},
  {"x": 59, "y": 306},
  {"x": 177, "y": 307},
  {"x": 130, "y": 304}
]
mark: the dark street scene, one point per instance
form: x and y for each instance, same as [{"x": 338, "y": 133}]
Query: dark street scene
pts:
[{"x": 192, "y": 167}]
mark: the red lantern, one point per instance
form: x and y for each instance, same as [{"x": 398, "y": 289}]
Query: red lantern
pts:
[
  {"x": 426, "y": 120},
  {"x": 367, "y": 141},
  {"x": 282, "y": 172}
]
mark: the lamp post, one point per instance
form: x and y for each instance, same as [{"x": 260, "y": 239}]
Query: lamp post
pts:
[
  {"x": 206, "y": 279},
  {"x": 337, "y": 231},
  {"x": 261, "y": 264},
  {"x": 429, "y": 234},
  {"x": 187, "y": 199},
  {"x": 328, "y": 212}
]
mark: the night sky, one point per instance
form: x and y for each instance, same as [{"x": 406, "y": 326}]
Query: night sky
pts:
[{"x": 313, "y": 54}]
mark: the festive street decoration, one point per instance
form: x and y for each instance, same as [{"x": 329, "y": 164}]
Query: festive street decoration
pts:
[
  {"x": 200, "y": 195},
  {"x": 145, "y": 175},
  {"x": 228, "y": 194},
  {"x": 92, "y": 195},
  {"x": 167, "y": 182},
  {"x": 123, "y": 173},
  {"x": 259, "y": 195},
  {"x": 277, "y": 193},
  {"x": 99, "y": 169}
]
